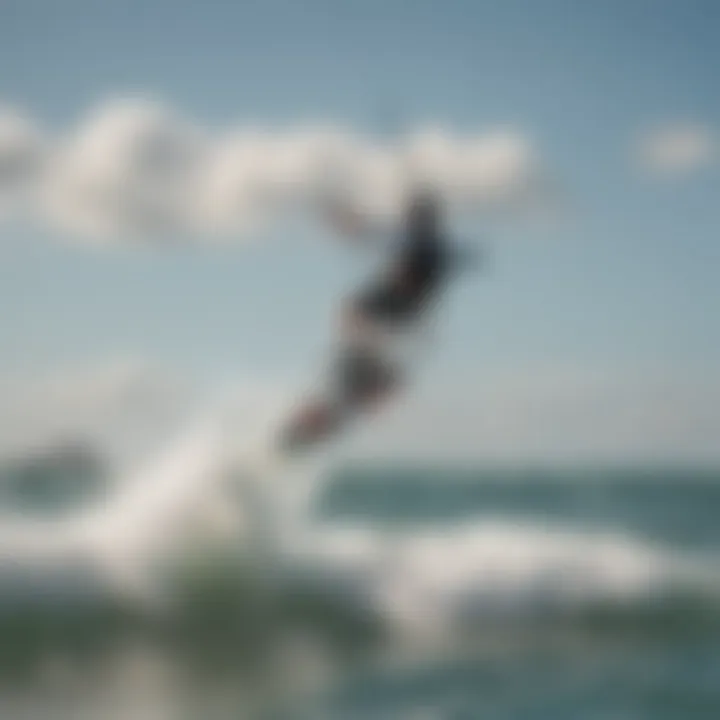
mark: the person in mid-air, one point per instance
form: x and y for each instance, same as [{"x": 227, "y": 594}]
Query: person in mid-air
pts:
[{"x": 398, "y": 301}]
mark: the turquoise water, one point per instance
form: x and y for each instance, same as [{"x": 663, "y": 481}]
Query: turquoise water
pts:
[
  {"x": 674, "y": 506},
  {"x": 525, "y": 594},
  {"x": 658, "y": 659}
]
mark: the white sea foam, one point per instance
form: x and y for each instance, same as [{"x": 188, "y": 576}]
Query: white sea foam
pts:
[
  {"x": 207, "y": 487},
  {"x": 431, "y": 581}
]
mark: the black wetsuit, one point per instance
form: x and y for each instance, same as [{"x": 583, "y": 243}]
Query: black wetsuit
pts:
[{"x": 418, "y": 272}]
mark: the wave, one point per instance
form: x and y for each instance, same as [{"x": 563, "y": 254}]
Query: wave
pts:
[
  {"x": 352, "y": 595},
  {"x": 215, "y": 556},
  {"x": 436, "y": 582}
]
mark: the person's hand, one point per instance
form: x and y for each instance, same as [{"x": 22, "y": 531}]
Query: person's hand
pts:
[{"x": 344, "y": 218}]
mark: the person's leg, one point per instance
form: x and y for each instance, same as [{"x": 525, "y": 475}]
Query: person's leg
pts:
[
  {"x": 360, "y": 378},
  {"x": 364, "y": 377},
  {"x": 312, "y": 424},
  {"x": 362, "y": 383}
]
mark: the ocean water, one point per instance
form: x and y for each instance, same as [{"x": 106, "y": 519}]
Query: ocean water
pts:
[{"x": 387, "y": 592}]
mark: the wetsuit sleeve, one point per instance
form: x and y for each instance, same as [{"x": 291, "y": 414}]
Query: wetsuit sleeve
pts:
[{"x": 360, "y": 229}]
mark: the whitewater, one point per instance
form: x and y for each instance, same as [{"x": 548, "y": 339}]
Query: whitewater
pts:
[{"x": 214, "y": 530}]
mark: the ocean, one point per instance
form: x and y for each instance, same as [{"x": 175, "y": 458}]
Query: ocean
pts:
[{"x": 426, "y": 593}]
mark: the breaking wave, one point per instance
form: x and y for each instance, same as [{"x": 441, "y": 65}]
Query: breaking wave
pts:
[{"x": 213, "y": 555}]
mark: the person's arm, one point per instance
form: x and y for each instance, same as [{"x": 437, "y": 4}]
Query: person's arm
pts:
[{"x": 352, "y": 224}]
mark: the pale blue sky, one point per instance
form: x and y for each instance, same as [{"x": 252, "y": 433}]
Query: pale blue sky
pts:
[{"x": 627, "y": 284}]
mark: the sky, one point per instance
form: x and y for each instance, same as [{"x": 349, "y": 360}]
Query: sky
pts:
[{"x": 593, "y": 330}]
